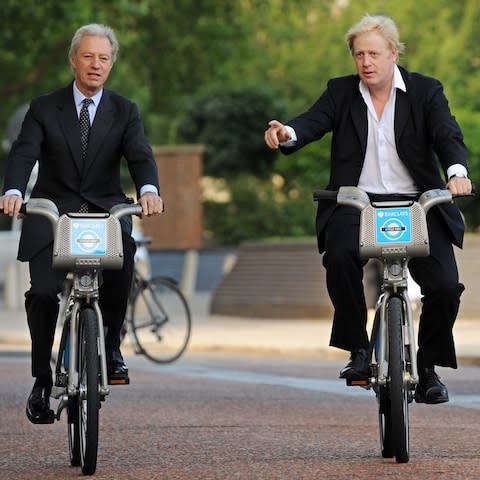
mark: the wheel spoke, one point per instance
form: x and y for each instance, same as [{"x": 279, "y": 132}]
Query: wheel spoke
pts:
[{"x": 161, "y": 320}]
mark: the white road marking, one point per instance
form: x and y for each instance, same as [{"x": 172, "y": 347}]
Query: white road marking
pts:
[{"x": 336, "y": 387}]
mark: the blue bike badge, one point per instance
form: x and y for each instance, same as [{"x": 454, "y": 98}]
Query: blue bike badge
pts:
[
  {"x": 393, "y": 225},
  {"x": 88, "y": 237}
]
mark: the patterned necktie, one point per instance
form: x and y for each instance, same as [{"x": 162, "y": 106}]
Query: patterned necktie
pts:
[
  {"x": 84, "y": 120},
  {"x": 84, "y": 125}
]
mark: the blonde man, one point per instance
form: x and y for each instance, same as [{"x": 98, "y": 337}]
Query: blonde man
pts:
[{"x": 391, "y": 128}]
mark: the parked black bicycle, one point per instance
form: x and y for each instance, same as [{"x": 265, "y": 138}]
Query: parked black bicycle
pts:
[{"x": 158, "y": 323}]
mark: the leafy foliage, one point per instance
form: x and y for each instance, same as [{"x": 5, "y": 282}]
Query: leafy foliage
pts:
[
  {"x": 230, "y": 123},
  {"x": 175, "y": 53},
  {"x": 257, "y": 210}
]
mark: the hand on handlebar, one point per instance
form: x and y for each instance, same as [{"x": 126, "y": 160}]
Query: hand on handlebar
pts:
[
  {"x": 10, "y": 205},
  {"x": 152, "y": 204},
  {"x": 459, "y": 186}
]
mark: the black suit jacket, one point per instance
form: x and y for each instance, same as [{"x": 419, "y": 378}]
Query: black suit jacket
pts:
[
  {"x": 427, "y": 136},
  {"x": 51, "y": 134}
]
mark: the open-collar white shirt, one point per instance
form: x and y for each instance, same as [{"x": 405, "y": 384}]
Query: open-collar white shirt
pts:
[{"x": 383, "y": 171}]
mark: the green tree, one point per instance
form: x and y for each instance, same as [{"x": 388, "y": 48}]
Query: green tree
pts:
[
  {"x": 230, "y": 123},
  {"x": 172, "y": 52}
]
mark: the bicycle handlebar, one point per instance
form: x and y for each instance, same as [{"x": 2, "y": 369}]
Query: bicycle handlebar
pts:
[
  {"x": 359, "y": 199},
  {"x": 48, "y": 209}
]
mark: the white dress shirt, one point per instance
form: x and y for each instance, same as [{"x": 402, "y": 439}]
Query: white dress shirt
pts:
[{"x": 383, "y": 171}]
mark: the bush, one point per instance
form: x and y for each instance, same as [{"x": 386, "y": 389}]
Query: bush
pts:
[
  {"x": 230, "y": 123},
  {"x": 257, "y": 210}
]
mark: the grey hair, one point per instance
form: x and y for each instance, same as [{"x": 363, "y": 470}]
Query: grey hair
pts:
[
  {"x": 95, "y": 30},
  {"x": 380, "y": 23}
]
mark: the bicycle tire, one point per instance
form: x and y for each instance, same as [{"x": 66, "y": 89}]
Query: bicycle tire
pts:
[
  {"x": 383, "y": 397},
  {"x": 89, "y": 397},
  {"x": 161, "y": 320},
  {"x": 398, "y": 388},
  {"x": 385, "y": 422},
  {"x": 73, "y": 432}
]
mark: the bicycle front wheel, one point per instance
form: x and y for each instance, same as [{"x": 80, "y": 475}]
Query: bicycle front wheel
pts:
[
  {"x": 89, "y": 397},
  {"x": 161, "y": 320},
  {"x": 385, "y": 422},
  {"x": 382, "y": 393},
  {"x": 398, "y": 388},
  {"x": 73, "y": 432}
]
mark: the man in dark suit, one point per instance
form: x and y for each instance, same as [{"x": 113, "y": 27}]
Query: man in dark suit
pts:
[
  {"x": 390, "y": 127},
  {"x": 78, "y": 173}
]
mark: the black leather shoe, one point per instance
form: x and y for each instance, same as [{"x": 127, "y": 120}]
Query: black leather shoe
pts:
[
  {"x": 358, "y": 366},
  {"x": 116, "y": 368},
  {"x": 38, "y": 405},
  {"x": 430, "y": 389}
]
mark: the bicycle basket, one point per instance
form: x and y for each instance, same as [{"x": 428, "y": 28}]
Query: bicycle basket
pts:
[
  {"x": 392, "y": 229},
  {"x": 84, "y": 241}
]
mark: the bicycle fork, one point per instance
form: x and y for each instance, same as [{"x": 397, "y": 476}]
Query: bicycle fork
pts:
[
  {"x": 68, "y": 387},
  {"x": 410, "y": 377}
]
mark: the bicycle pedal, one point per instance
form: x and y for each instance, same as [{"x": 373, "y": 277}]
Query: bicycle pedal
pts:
[
  {"x": 120, "y": 380},
  {"x": 361, "y": 382}
]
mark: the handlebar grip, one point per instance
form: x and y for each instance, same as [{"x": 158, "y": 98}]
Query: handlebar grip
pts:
[
  {"x": 324, "y": 195},
  {"x": 23, "y": 209}
]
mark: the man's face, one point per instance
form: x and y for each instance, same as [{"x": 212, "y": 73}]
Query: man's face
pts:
[
  {"x": 92, "y": 64},
  {"x": 375, "y": 59}
]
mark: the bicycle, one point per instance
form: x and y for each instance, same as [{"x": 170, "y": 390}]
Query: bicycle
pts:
[
  {"x": 158, "y": 321},
  {"x": 392, "y": 232},
  {"x": 84, "y": 244}
]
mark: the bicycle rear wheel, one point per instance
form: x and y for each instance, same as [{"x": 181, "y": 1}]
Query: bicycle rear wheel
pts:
[
  {"x": 398, "y": 388},
  {"x": 89, "y": 398},
  {"x": 161, "y": 320}
]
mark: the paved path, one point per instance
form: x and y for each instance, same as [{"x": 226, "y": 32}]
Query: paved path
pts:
[{"x": 217, "y": 333}]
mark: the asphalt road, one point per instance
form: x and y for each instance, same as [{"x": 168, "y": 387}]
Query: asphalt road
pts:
[{"x": 222, "y": 417}]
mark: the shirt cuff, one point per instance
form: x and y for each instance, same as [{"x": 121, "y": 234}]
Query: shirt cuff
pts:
[
  {"x": 457, "y": 169},
  {"x": 292, "y": 141},
  {"x": 148, "y": 188},
  {"x": 14, "y": 191}
]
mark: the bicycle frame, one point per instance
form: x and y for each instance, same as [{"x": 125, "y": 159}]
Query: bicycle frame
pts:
[
  {"x": 80, "y": 300},
  {"x": 393, "y": 232},
  {"x": 380, "y": 332},
  {"x": 84, "y": 244},
  {"x": 394, "y": 241}
]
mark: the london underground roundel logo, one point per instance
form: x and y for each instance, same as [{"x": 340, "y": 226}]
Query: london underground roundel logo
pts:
[
  {"x": 393, "y": 229},
  {"x": 88, "y": 241}
]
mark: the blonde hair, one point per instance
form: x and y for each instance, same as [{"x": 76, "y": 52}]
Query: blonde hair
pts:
[{"x": 384, "y": 25}]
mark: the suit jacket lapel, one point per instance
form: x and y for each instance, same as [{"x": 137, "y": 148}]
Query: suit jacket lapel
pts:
[
  {"x": 68, "y": 118},
  {"x": 360, "y": 120},
  {"x": 402, "y": 108},
  {"x": 100, "y": 127}
]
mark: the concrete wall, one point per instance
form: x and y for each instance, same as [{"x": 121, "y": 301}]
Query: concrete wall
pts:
[
  {"x": 468, "y": 260},
  {"x": 288, "y": 281},
  {"x": 14, "y": 277}
]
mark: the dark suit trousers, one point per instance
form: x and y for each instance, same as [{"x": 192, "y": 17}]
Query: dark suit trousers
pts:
[
  {"x": 437, "y": 276},
  {"x": 42, "y": 304}
]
